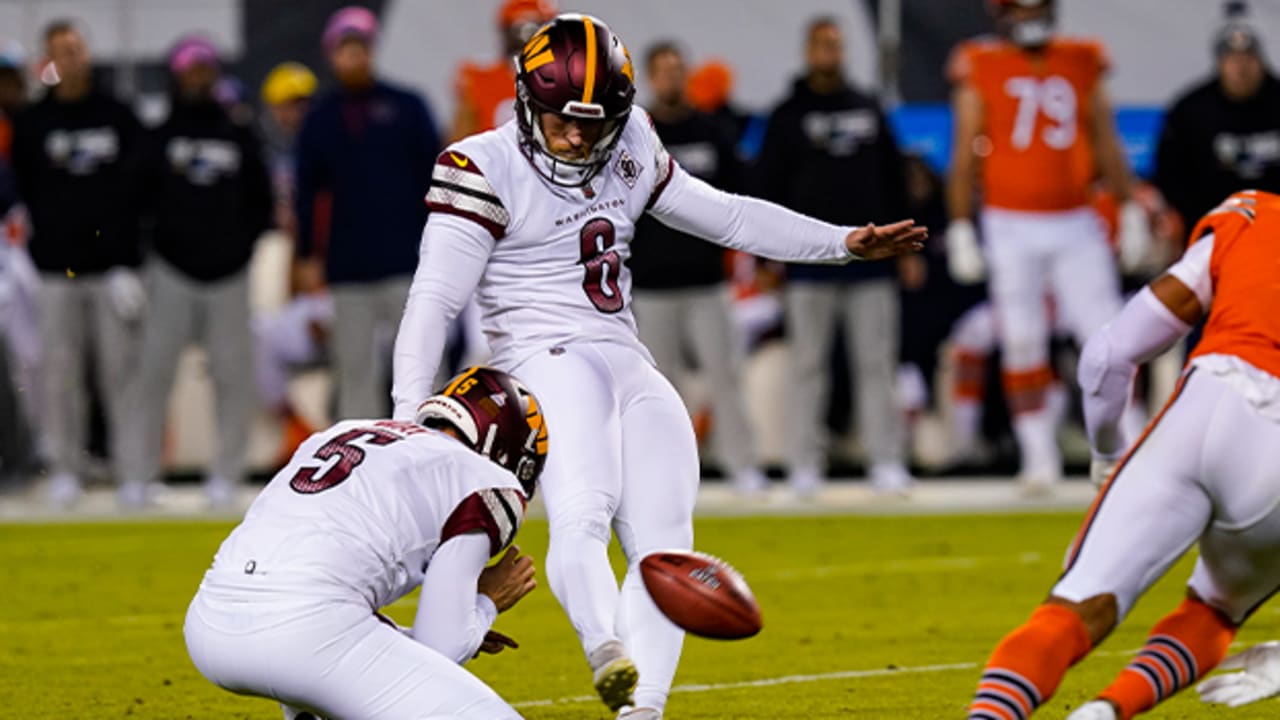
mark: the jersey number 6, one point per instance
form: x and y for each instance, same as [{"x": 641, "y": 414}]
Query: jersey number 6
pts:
[
  {"x": 603, "y": 266},
  {"x": 348, "y": 454}
]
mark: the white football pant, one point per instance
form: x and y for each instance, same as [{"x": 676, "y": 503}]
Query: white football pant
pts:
[
  {"x": 1031, "y": 256},
  {"x": 622, "y": 453},
  {"x": 1207, "y": 470},
  {"x": 332, "y": 658}
]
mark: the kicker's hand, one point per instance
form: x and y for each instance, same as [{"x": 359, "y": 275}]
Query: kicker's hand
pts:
[
  {"x": 494, "y": 643},
  {"x": 870, "y": 242},
  {"x": 508, "y": 580}
]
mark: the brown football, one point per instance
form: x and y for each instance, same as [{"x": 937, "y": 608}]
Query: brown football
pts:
[{"x": 702, "y": 594}]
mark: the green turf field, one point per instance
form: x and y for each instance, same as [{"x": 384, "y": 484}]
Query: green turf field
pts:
[{"x": 899, "y": 609}]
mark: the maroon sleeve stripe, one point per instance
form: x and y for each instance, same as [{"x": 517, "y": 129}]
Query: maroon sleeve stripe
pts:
[
  {"x": 662, "y": 184},
  {"x": 496, "y": 230},
  {"x": 472, "y": 514}
]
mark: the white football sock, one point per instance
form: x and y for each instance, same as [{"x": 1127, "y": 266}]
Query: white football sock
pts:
[
  {"x": 582, "y": 580},
  {"x": 653, "y": 641}
]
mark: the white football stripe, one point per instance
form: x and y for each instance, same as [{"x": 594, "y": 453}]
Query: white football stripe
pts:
[
  {"x": 467, "y": 203},
  {"x": 463, "y": 178}
]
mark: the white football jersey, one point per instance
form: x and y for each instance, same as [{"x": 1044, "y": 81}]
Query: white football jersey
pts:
[
  {"x": 547, "y": 264},
  {"x": 558, "y": 269},
  {"x": 362, "y": 507}
]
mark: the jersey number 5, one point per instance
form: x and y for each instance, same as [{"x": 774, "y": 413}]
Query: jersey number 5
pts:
[
  {"x": 1052, "y": 96},
  {"x": 348, "y": 455},
  {"x": 603, "y": 266}
]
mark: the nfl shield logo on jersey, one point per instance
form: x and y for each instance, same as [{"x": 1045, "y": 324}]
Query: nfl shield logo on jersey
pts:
[{"x": 628, "y": 169}]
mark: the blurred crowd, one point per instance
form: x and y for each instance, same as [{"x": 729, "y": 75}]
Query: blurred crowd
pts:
[{"x": 123, "y": 245}]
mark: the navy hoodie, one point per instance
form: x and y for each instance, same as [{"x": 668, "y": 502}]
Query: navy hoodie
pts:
[{"x": 364, "y": 162}]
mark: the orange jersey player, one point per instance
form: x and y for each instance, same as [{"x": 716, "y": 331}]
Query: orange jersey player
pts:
[
  {"x": 1033, "y": 127},
  {"x": 1206, "y": 471},
  {"x": 486, "y": 93}
]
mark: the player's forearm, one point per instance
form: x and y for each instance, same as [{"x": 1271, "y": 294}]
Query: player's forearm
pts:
[
  {"x": 419, "y": 347},
  {"x": 1108, "y": 153},
  {"x": 748, "y": 224},
  {"x": 1109, "y": 362},
  {"x": 452, "y": 616},
  {"x": 1115, "y": 169},
  {"x": 454, "y": 254},
  {"x": 959, "y": 195},
  {"x": 461, "y": 638}
]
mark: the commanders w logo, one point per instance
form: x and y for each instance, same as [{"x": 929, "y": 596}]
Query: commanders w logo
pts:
[{"x": 536, "y": 52}]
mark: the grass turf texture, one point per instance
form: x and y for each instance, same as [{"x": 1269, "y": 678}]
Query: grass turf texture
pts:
[{"x": 91, "y": 622}]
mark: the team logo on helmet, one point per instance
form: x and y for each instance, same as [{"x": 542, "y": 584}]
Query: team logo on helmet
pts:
[
  {"x": 497, "y": 417},
  {"x": 574, "y": 67}
]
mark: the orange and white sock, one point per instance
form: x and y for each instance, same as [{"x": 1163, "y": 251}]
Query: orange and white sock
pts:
[
  {"x": 1028, "y": 664},
  {"x": 1183, "y": 647},
  {"x": 1027, "y": 390},
  {"x": 968, "y": 390}
]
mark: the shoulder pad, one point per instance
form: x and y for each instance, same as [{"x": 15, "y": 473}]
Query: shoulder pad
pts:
[
  {"x": 498, "y": 512},
  {"x": 458, "y": 187}
]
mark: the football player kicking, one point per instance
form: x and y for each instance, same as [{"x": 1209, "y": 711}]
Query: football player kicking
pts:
[
  {"x": 1206, "y": 470},
  {"x": 365, "y": 512},
  {"x": 536, "y": 218}
]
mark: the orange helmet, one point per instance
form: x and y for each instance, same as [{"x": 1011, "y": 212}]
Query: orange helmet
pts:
[
  {"x": 708, "y": 88},
  {"x": 514, "y": 12}
]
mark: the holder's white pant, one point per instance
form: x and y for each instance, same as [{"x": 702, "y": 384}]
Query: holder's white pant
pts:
[{"x": 332, "y": 658}]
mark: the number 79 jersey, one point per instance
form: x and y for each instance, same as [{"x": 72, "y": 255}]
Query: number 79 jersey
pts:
[
  {"x": 557, "y": 269},
  {"x": 1035, "y": 144},
  {"x": 362, "y": 507}
]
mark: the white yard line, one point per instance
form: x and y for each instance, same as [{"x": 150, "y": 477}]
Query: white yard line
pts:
[
  {"x": 769, "y": 682},
  {"x": 797, "y": 679}
]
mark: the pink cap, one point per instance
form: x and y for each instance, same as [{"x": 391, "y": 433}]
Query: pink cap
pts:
[
  {"x": 350, "y": 21},
  {"x": 192, "y": 50}
]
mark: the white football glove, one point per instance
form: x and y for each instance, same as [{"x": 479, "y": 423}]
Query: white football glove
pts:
[
  {"x": 1260, "y": 679},
  {"x": 1100, "y": 470},
  {"x": 964, "y": 256},
  {"x": 125, "y": 292},
  {"x": 1135, "y": 236}
]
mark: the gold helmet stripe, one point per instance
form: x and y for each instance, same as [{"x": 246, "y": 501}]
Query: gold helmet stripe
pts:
[
  {"x": 590, "y": 83},
  {"x": 536, "y": 53}
]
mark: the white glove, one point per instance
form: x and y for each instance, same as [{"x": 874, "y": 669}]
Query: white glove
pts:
[
  {"x": 964, "y": 256},
  {"x": 1100, "y": 470},
  {"x": 1135, "y": 236},
  {"x": 1260, "y": 679},
  {"x": 125, "y": 292}
]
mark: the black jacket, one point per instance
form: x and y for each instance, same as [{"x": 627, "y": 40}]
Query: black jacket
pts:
[
  {"x": 75, "y": 163},
  {"x": 663, "y": 258},
  {"x": 1212, "y": 146},
  {"x": 833, "y": 157},
  {"x": 206, "y": 192}
]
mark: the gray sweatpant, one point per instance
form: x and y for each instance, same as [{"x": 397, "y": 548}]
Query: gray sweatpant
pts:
[
  {"x": 74, "y": 313},
  {"x": 698, "y": 318},
  {"x": 180, "y": 311},
  {"x": 16, "y": 452},
  {"x": 869, "y": 310},
  {"x": 361, "y": 363}
]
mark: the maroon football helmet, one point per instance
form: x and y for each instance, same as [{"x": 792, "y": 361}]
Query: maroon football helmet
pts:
[
  {"x": 495, "y": 415},
  {"x": 1027, "y": 30},
  {"x": 576, "y": 67}
]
